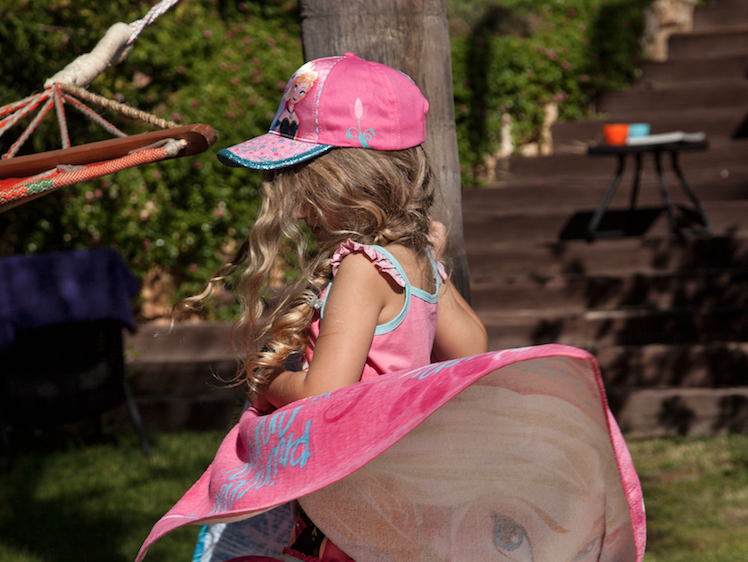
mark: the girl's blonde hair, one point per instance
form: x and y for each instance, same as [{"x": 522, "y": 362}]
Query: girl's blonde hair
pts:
[{"x": 369, "y": 196}]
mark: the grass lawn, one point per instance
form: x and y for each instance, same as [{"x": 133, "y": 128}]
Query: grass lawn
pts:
[
  {"x": 69, "y": 501},
  {"x": 65, "y": 500},
  {"x": 696, "y": 493}
]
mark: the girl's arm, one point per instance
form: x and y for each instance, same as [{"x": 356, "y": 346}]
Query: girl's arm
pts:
[
  {"x": 459, "y": 331},
  {"x": 352, "y": 312}
]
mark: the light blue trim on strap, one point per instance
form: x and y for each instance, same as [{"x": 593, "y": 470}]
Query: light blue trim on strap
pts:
[
  {"x": 425, "y": 295},
  {"x": 409, "y": 290}
]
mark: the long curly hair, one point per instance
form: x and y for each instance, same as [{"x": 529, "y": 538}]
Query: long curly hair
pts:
[{"x": 371, "y": 197}]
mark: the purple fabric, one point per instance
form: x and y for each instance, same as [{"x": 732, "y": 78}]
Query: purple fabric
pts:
[{"x": 47, "y": 289}]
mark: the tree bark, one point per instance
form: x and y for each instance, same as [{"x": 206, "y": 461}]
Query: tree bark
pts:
[{"x": 412, "y": 36}]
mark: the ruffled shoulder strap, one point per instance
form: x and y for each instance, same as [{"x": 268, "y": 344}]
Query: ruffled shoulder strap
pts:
[{"x": 380, "y": 260}]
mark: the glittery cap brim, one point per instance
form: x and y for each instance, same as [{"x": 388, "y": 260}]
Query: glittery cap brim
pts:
[{"x": 270, "y": 152}]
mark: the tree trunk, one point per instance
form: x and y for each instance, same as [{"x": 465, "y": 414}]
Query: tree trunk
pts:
[{"x": 412, "y": 36}]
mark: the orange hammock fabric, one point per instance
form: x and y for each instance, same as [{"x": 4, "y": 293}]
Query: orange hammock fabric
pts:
[
  {"x": 13, "y": 191},
  {"x": 28, "y": 177},
  {"x": 25, "y": 178}
]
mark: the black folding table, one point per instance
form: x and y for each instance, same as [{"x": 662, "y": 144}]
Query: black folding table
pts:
[{"x": 638, "y": 151}]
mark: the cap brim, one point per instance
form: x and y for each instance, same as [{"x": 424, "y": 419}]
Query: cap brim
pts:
[{"x": 270, "y": 152}]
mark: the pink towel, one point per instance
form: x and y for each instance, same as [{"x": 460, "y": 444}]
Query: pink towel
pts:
[{"x": 509, "y": 455}]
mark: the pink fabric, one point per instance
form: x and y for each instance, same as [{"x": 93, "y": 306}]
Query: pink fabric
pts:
[
  {"x": 631, "y": 483},
  {"x": 254, "y": 559},
  {"x": 341, "y": 101},
  {"x": 407, "y": 346},
  {"x": 381, "y": 262},
  {"x": 455, "y": 457}
]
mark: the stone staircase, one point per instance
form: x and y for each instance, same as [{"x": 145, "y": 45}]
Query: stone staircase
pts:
[{"x": 667, "y": 318}]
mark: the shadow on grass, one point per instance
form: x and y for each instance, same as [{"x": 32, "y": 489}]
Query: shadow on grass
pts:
[
  {"x": 73, "y": 498},
  {"x": 58, "y": 528}
]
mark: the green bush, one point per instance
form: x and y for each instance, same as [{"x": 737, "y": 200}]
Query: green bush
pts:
[
  {"x": 514, "y": 57},
  {"x": 224, "y": 63},
  {"x": 220, "y": 63}
]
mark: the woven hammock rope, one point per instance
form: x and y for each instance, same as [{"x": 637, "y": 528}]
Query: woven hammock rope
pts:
[
  {"x": 14, "y": 192},
  {"x": 64, "y": 88},
  {"x": 112, "y": 49},
  {"x": 58, "y": 95},
  {"x": 156, "y": 11}
]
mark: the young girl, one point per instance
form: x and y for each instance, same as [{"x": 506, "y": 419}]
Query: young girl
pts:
[{"x": 374, "y": 300}]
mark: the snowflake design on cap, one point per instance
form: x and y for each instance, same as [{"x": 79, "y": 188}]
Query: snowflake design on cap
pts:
[{"x": 359, "y": 111}]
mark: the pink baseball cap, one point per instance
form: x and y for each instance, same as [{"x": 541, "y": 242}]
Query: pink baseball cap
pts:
[{"x": 341, "y": 101}]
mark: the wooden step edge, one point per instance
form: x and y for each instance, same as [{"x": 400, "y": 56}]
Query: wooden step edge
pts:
[
  {"x": 176, "y": 357},
  {"x": 715, "y": 364},
  {"x": 675, "y": 194},
  {"x": 661, "y": 348},
  {"x": 718, "y": 30},
  {"x": 502, "y": 316},
  {"x": 678, "y": 86},
  {"x": 558, "y": 279},
  {"x": 174, "y": 413},
  {"x": 679, "y": 412}
]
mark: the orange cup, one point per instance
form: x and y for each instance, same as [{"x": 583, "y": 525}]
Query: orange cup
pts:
[{"x": 616, "y": 134}]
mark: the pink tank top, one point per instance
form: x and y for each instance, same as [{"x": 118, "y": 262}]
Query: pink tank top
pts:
[{"x": 406, "y": 341}]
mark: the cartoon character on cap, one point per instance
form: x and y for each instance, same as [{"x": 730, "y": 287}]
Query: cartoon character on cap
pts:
[{"x": 286, "y": 121}]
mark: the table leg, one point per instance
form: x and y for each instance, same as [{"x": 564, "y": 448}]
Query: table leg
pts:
[
  {"x": 137, "y": 421},
  {"x": 634, "y": 192},
  {"x": 664, "y": 193},
  {"x": 5, "y": 441},
  {"x": 704, "y": 218},
  {"x": 598, "y": 215}
]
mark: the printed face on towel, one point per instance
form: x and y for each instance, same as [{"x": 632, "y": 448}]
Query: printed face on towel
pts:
[{"x": 516, "y": 468}]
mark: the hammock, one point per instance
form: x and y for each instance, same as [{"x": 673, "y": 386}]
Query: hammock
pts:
[{"x": 28, "y": 177}]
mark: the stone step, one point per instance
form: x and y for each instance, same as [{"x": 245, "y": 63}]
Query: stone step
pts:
[
  {"x": 517, "y": 193},
  {"x": 673, "y": 412},
  {"x": 720, "y": 13},
  {"x": 678, "y": 97},
  {"x": 715, "y": 365},
  {"x": 653, "y": 390},
  {"x": 180, "y": 377},
  {"x": 500, "y": 261},
  {"x": 186, "y": 341},
  {"x": 491, "y": 225},
  {"x": 728, "y": 155},
  {"x": 169, "y": 412},
  {"x": 655, "y": 75},
  {"x": 653, "y": 291},
  {"x": 592, "y": 329},
  {"x": 722, "y": 123},
  {"x": 187, "y": 360},
  {"x": 708, "y": 43}
]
